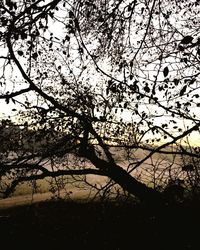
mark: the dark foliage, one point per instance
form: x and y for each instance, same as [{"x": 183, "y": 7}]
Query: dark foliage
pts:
[
  {"x": 85, "y": 77},
  {"x": 109, "y": 226}
]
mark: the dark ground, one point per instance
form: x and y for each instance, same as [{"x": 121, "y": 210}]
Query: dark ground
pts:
[{"x": 69, "y": 225}]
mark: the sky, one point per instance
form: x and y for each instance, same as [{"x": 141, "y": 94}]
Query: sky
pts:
[{"x": 6, "y": 110}]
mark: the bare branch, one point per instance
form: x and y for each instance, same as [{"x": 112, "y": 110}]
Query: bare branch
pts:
[{"x": 16, "y": 182}]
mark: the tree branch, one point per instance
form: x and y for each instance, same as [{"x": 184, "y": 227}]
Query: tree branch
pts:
[
  {"x": 156, "y": 150},
  {"x": 47, "y": 173},
  {"x": 13, "y": 94},
  {"x": 162, "y": 151}
]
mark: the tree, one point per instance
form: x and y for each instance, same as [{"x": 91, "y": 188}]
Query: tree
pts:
[{"x": 90, "y": 76}]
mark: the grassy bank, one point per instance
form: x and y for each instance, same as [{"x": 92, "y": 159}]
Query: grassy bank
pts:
[{"x": 95, "y": 225}]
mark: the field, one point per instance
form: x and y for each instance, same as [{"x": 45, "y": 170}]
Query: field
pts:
[
  {"x": 33, "y": 219},
  {"x": 154, "y": 168}
]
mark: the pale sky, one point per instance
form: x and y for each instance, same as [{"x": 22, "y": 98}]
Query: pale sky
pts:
[{"x": 6, "y": 109}]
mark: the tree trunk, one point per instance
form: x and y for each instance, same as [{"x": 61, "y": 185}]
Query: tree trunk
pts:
[
  {"x": 126, "y": 181},
  {"x": 133, "y": 186}
]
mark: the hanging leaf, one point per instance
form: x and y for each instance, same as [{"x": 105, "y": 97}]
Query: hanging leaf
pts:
[
  {"x": 23, "y": 35},
  {"x": 35, "y": 55},
  {"x": 176, "y": 81},
  {"x": 181, "y": 48},
  {"x": 196, "y": 96},
  {"x": 20, "y": 53},
  {"x": 67, "y": 38},
  {"x": 71, "y": 14},
  {"x": 185, "y": 59},
  {"x": 183, "y": 90},
  {"x": 166, "y": 71},
  {"x": 129, "y": 8},
  {"x": 107, "y": 91},
  {"x": 192, "y": 81},
  {"x": 143, "y": 115},
  {"x": 188, "y": 167},
  {"x": 146, "y": 88},
  {"x": 125, "y": 105},
  {"x": 187, "y": 40},
  {"x": 80, "y": 50},
  {"x": 178, "y": 104},
  {"x": 7, "y": 100},
  {"x": 131, "y": 77}
]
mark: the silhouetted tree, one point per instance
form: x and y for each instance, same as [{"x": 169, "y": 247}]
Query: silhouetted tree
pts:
[{"x": 90, "y": 76}]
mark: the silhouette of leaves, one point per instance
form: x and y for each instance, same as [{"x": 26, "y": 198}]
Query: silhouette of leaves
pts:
[
  {"x": 146, "y": 88},
  {"x": 183, "y": 90},
  {"x": 187, "y": 40},
  {"x": 188, "y": 167},
  {"x": 20, "y": 53},
  {"x": 35, "y": 55},
  {"x": 181, "y": 48},
  {"x": 176, "y": 81},
  {"x": 166, "y": 71}
]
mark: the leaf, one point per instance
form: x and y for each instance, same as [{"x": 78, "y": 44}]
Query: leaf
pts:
[
  {"x": 143, "y": 115},
  {"x": 131, "y": 77},
  {"x": 125, "y": 105},
  {"x": 107, "y": 91},
  {"x": 7, "y": 100},
  {"x": 129, "y": 8},
  {"x": 188, "y": 167},
  {"x": 100, "y": 19},
  {"x": 181, "y": 48},
  {"x": 67, "y": 38},
  {"x": 71, "y": 14},
  {"x": 20, "y": 53},
  {"x": 183, "y": 90},
  {"x": 35, "y": 55},
  {"x": 187, "y": 40},
  {"x": 166, "y": 71},
  {"x": 110, "y": 82},
  {"x": 16, "y": 36},
  {"x": 23, "y": 35},
  {"x": 147, "y": 89},
  {"x": 80, "y": 50},
  {"x": 176, "y": 81}
]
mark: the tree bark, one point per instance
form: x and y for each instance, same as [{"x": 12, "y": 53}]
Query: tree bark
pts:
[{"x": 125, "y": 180}]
